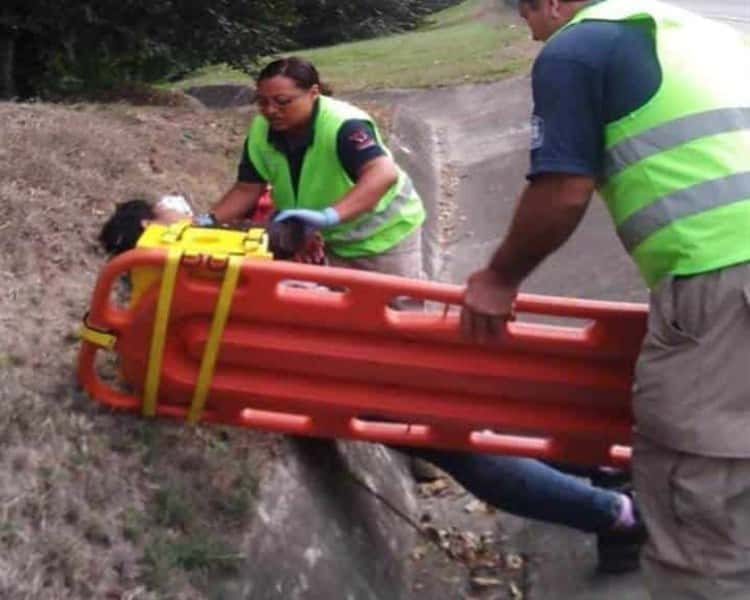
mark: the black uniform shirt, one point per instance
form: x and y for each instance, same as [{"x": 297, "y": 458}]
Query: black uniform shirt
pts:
[
  {"x": 356, "y": 146},
  {"x": 587, "y": 76}
]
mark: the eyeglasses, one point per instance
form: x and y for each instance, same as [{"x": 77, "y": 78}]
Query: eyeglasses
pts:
[{"x": 280, "y": 102}]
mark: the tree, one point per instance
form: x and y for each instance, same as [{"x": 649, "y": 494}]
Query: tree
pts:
[
  {"x": 7, "y": 58},
  {"x": 324, "y": 22},
  {"x": 48, "y": 47}
]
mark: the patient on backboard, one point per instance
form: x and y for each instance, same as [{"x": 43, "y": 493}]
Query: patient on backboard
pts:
[{"x": 288, "y": 240}]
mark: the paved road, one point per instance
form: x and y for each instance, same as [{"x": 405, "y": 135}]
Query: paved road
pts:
[
  {"x": 735, "y": 12},
  {"x": 479, "y": 136}
]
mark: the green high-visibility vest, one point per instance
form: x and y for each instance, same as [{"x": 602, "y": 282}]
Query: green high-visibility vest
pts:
[
  {"x": 323, "y": 181},
  {"x": 677, "y": 170}
]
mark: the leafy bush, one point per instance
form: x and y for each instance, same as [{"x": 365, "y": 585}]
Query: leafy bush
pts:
[
  {"x": 50, "y": 47},
  {"x": 82, "y": 45},
  {"x": 326, "y": 22}
]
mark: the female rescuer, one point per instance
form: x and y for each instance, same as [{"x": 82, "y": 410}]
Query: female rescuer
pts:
[{"x": 326, "y": 164}]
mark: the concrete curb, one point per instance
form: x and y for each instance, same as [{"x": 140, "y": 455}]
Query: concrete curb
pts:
[
  {"x": 414, "y": 145},
  {"x": 332, "y": 522}
]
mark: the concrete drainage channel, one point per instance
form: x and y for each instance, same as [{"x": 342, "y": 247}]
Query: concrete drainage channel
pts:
[
  {"x": 332, "y": 521},
  {"x": 415, "y": 147},
  {"x": 466, "y": 150},
  {"x": 339, "y": 519}
]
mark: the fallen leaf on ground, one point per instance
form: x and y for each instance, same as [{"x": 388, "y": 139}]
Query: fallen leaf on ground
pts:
[
  {"x": 486, "y": 582},
  {"x": 434, "y": 488},
  {"x": 514, "y": 561},
  {"x": 474, "y": 507},
  {"x": 419, "y": 552}
]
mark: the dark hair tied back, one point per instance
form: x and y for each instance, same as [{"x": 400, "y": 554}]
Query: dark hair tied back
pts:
[{"x": 301, "y": 71}]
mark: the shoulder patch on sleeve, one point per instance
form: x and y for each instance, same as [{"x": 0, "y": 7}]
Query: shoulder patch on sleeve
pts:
[
  {"x": 537, "y": 132},
  {"x": 361, "y": 138}
]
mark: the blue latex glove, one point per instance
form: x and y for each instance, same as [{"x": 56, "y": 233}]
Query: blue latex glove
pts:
[{"x": 319, "y": 219}]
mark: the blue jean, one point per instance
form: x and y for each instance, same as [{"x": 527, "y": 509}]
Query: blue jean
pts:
[{"x": 528, "y": 488}]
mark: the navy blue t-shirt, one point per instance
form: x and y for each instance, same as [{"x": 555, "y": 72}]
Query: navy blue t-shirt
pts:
[
  {"x": 356, "y": 146},
  {"x": 585, "y": 77}
]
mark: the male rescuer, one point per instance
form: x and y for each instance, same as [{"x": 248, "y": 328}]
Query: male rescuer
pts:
[{"x": 650, "y": 105}]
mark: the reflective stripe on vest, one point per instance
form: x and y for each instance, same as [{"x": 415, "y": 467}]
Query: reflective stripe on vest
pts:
[
  {"x": 368, "y": 227},
  {"x": 676, "y": 173},
  {"x": 683, "y": 203},
  {"x": 673, "y": 134}
]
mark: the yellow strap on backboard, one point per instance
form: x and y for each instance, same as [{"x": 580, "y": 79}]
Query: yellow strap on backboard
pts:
[
  {"x": 96, "y": 337},
  {"x": 211, "y": 351},
  {"x": 159, "y": 334},
  {"x": 174, "y": 232},
  {"x": 256, "y": 241}
]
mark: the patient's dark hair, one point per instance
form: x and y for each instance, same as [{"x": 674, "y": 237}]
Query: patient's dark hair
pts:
[
  {"x": 286, "y": 238},
  {"x": 122, "y": 230}
]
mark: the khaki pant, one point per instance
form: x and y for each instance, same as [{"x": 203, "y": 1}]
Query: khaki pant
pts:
[
  {"x": 691, "y": 461},
  {"x": 697, "y": 511},
  {"x": 404, "y": 260},
  {"x": 692, "y": 379}
]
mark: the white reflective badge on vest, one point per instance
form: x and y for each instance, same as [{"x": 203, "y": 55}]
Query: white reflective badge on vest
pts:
[{"x": 537, "y": 132}]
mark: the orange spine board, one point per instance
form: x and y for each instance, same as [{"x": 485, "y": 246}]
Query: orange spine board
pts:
[{"x": 311, "y": 361}]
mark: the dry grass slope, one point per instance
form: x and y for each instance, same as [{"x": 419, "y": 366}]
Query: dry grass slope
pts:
[{"x": 95, "y": 505}]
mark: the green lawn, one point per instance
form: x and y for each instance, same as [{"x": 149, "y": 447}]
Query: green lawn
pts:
[
  {"x": 476, "y": 40},
  {"x": 464, "y": 11}
]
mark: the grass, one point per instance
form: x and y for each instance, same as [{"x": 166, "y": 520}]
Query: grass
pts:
[
  {"x": 212, "y": 75},
  {"x": 133, "y": 524},
  {"x": 465, "y": 52},
  {"x": 200, "y": 554},
  {"x": 172, "y": 507},
  {"x": 9, "y": 534},
  {"x": 464, "y": 11},
  {"x": 474, "y": 41},
  {"x": 85, "y": 493}
]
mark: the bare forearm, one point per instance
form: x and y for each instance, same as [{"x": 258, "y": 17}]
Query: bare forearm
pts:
[
  {"x": 374, "y": 181},
  {"x": 237, "y": 202},
  {"x": 548, "y": 212}
]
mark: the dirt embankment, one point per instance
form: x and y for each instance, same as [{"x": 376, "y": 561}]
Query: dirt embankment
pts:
[{"x": 94, "y": 505}]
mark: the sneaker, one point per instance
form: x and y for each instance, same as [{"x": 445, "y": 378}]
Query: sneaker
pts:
[{"x": 619, "y": 550}]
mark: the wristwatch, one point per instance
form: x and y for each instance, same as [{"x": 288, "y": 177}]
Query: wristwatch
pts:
[{"x": 204, "y": 220}]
